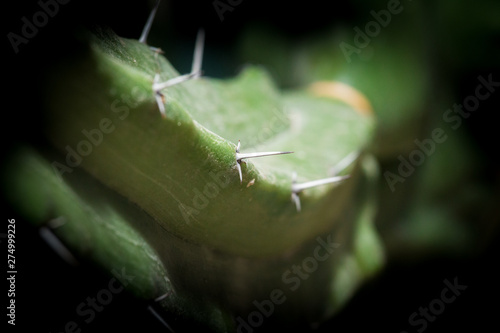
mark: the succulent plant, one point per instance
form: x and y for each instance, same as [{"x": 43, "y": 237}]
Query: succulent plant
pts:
[
  {"x": 160, "y": 180},
  {"x": 244, "y": 203},
  {"x": 408, "y": 91}
]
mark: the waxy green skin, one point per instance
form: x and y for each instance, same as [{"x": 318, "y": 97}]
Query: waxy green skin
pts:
[
  {"x": 167, "y": 165},
  {"x": 162, "y": 197}
]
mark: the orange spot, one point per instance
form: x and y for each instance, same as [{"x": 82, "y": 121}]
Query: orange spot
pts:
[{"x": 342, "y": 92}]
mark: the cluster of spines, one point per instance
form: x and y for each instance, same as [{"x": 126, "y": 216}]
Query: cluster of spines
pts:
[{"x": 195, "y": 73}]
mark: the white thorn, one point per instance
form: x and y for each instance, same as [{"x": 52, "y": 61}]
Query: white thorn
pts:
[
  {"x": 238, "y": 166},
  {"x": 303, "y": 186},
  {"x": 198, "y": 54},
  {"x": 241, "y": 156},
  {"x": 159, "y": 97},
  {"x": 296, "y": 200},
  {"x": 344, "y": 163},
  {"x": 149, "y": 23},
  {"x": 195, "y": 68},
  {"x": 162, "y": 297},
  {"x": 51, "y": 239},
  {"x": 156, "y": 50},
  {"x": 297, "y": 188},
  {"x": 157, "y": 86},
  {"x": 159, "y": 101},
  {"x": 159, "y": 318}
]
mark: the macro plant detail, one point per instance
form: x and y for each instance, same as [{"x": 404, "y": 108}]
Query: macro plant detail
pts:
[{"x": 251, "y": 202}]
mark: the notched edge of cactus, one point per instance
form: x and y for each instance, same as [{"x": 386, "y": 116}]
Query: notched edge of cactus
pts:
[{"x": 148, "y": 164}]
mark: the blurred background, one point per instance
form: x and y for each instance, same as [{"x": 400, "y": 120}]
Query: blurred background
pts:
[{"x": 440, "y": 224}]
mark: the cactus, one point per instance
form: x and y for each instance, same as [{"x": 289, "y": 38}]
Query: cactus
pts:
[
  {"x": 153, "y": 172},
  {"x": 156, "y": 173},
  {"x": 409, "y": 93}
]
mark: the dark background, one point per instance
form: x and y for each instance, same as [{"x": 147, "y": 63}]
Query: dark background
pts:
[{"x": 49, "y": 290}]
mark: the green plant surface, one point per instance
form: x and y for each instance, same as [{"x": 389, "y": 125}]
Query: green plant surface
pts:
[
  {"x": 104, "y": 229},
  {"x": 165, "y": 165},
  {"x": 125, "y": 178},
  {"x": 436, "y": 208}
]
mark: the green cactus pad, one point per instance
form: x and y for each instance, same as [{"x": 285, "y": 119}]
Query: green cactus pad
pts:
[
  {"x": 163, "y": 195},
  {"x": 181, "y": 169}
]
